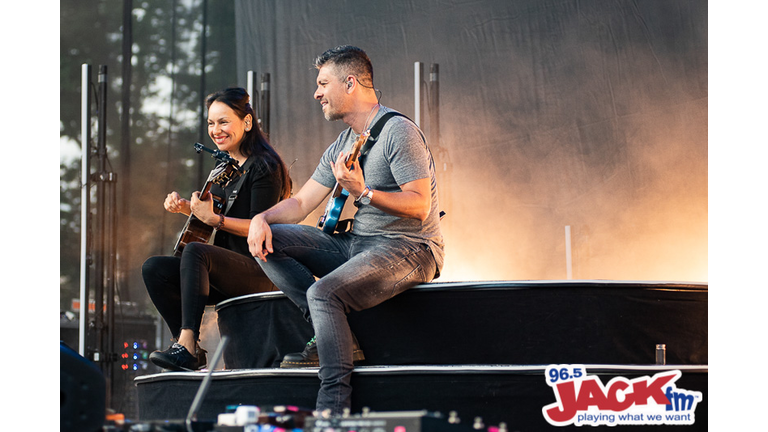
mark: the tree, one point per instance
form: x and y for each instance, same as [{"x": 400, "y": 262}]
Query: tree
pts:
[{"x": 164, "y": 119}]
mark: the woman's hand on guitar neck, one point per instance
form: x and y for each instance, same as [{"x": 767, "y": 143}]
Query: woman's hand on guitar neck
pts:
[
  {"x": 202, "y": 208},
  {"x": 174, "y": 203}
]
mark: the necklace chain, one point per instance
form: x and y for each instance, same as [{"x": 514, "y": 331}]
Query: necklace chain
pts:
[{"x": 365, "y": 126}]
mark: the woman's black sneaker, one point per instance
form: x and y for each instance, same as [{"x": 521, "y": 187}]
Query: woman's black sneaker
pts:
[{"x": 177, "y": 358}]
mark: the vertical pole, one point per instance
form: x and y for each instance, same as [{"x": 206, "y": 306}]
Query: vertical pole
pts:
[
  {"x": 418, "y": 73},
  {"x": 200, "y": 174},
  {"x": 105, "y": 245},
  {"x": 442, "y": 158},
  {"x": 103, "y": 251},
  {"x": 434, "y": 106},
  {"x": 100, "y": 244},
  {"x": 110, "y": 273},
  {"x": 568, "y": 256},
  {"x": 125, "y": 136},
  {"x": 249, "y": 88},
  {"x": 170, "y": 171},
  {"x": 264, "y": 103},
  {"x": 85, "y": 202}
]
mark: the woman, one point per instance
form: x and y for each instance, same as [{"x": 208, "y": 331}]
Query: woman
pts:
[{"x": 204, "y": 274}]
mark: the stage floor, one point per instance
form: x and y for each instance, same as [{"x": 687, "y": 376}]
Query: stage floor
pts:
[
  {"x": 481, "y": 349},
  {"x": 512, "y": 394}
]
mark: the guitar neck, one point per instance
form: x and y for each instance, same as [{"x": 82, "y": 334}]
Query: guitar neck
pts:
[
  {"x": 195, "y": 230},
  {"x": 217, "y": 201},
  {"x": 356, "y": 148},
  {"x": 336, "y": 191},
  {"x": 206, "y": 188}
]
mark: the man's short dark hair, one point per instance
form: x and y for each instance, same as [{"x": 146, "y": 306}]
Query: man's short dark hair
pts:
[{"x": 349, "y": 60}]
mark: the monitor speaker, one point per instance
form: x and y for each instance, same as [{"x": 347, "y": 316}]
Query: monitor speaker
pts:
[{"x": 83, "y": 393}]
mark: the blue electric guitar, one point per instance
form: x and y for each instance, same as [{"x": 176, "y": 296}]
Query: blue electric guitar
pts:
[{"x": 330, "y": 218}]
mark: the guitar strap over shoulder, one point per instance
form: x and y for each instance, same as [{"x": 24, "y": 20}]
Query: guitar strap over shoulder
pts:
[
  {"x": 376, "y": 130},
  {"x": 233, "y": 196},
  {"x": 346, "y": 224}
]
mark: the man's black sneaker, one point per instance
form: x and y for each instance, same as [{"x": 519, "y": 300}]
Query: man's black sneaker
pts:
[
  {"x": 177, "y": 358},
  {"x": 309, "y": 357}
]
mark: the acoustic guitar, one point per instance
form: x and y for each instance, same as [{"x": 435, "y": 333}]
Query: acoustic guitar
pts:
[
  {"x": 330, "y": 218},
  {"x": 195, "y": 230}
]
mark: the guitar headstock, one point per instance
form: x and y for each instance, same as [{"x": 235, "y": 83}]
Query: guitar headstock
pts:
[
  {"x": 356, "y": 147},
  {"x": 224, "y": 173}
]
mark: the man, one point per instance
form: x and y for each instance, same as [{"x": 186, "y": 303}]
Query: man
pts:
[{"x": 395, "y": 242}]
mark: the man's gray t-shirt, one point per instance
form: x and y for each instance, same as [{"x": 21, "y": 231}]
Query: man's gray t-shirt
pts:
[{"x": 400, "y": 155}]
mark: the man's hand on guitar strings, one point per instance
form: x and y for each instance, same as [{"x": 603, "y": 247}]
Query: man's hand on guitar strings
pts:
[{"x": 351, "y": 179}]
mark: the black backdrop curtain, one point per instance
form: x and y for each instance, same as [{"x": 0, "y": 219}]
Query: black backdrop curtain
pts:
[{"x": 591, "y": 115}]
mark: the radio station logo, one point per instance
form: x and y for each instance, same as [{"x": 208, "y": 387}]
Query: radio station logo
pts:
[{"x": 583, "y": 399}]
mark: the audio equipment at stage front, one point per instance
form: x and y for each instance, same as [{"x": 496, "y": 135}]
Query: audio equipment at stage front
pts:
[
  {"x": 286, "y": 418},
  {"x": 252, "y": 418},
  {"x": 243, "y": 418},
  {"x": 397, "y": 421}
]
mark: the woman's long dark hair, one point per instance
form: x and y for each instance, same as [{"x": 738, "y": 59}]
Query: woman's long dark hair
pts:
[{"x": 254, "y": 142}]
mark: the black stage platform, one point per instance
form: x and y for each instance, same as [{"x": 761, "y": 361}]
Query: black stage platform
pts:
[{"x": 478, "y": 348}]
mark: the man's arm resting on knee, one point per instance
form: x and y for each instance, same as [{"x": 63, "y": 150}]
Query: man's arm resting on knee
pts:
[{"x": 290, "y": 211}]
